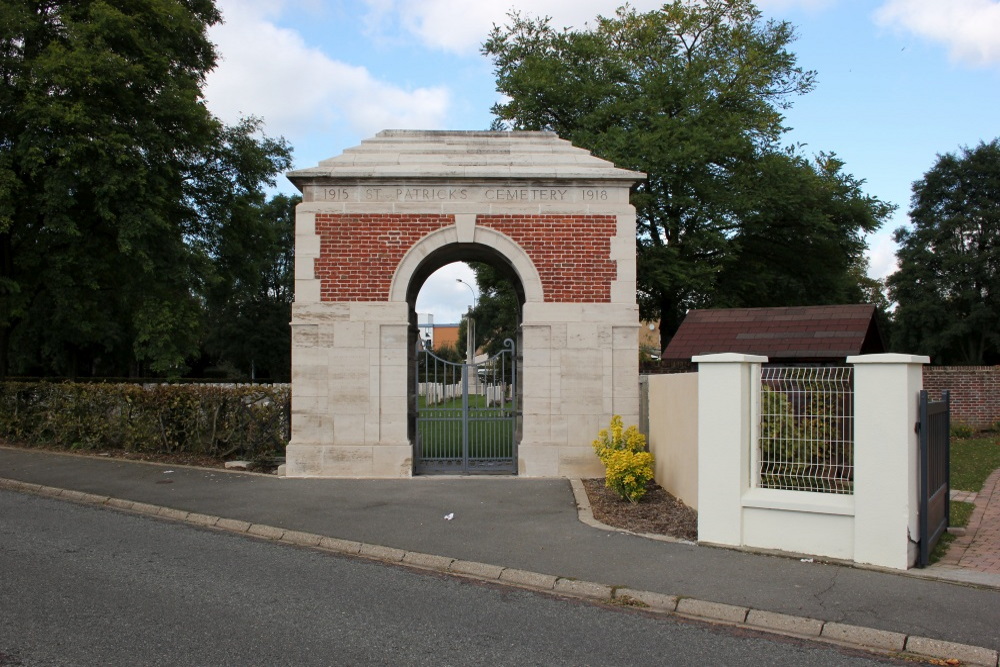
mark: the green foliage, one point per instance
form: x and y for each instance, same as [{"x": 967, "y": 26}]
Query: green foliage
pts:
[
  {"x": 498, "y": 310},
  {"x": 118, "y": 188},
  {"x": 249, "y": 304},
  {"x": 948, "y": 284},
  {"x": 628, "y": 467},
  {"x": 692, "y": 94},
  {"x": 248, "y": 422},
  {"x": 802, "y": 448},
  {"x": 959, "y": 516},
  {"x": 960, "y": 430}
]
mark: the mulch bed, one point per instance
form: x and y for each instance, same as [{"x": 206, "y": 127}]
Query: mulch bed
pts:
[{"x": 658, "y": 512}]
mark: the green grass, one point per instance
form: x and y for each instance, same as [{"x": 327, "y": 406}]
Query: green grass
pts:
[
  {"x": 490, "y": 434},
  {"x": 973, "y": 459},
  {"x": 958, "y": 516}
]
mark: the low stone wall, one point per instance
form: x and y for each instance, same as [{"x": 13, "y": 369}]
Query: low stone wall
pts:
[{"x": 975, "y": 392}]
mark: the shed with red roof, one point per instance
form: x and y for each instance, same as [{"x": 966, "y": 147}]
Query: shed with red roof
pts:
[{"x": 805, "y": 334}]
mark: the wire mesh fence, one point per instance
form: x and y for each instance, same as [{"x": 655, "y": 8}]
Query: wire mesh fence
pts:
[{"x": 806, "y": 429}]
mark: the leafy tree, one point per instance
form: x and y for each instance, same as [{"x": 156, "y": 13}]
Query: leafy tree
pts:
[
  {"x": 802, "y": 241},
  {"x": 249, "y": 305},
  {"x": 948, "y": 284},
  {"x": 497, "y": 311},
  {"x": 116, "y": 183},
  {"x": 692, "y": 94}
]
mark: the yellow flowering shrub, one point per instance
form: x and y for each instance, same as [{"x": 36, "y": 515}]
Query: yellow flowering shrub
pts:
[{"x": 628, "y": 467}]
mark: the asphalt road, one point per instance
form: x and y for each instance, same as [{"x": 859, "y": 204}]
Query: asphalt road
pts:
[{"x": 88, "y": 586}]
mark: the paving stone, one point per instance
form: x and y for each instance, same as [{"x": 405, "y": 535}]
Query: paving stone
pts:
[
  {"x": 270, "y": 532},
  {"x": 484, "y": 570},
  {"x": 526, "y": 578},
  {"x": 442, "y": 563},
  {"x": 118, "y": 503},
  {"x": 381, "y": 553},
  {"x": 301, "y": 538},
  {"x": 340, "y": 546},
  {"x": 587, "y": 589},
  {"x": 145, "y": 508},
  {"x": 656, "y": 601},
  {"x": 936, "y": 648},
  {"x": 713, "y": 610},
  {"x": 784, "y": 623},
  {"x": 852, "y": 634},
  {"x": 202, "y": 519},
  {"x": 233, "y": 524}
]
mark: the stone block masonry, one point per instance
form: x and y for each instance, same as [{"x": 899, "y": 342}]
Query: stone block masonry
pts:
[{"x": 380, "y": 218}]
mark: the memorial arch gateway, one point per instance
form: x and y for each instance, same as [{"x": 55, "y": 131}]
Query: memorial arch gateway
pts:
[{"x": 378, "y": 219}]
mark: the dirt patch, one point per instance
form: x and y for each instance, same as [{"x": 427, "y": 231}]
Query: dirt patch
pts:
[{"x": 658, "y": 512}]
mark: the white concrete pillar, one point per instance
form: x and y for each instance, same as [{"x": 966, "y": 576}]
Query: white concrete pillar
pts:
[
  {"x": 727, "y": 385},
  {"x": 886, "y": 458}
]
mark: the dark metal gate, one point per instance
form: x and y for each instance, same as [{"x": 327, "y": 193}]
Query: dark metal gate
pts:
[
  {"x": 466, "y": 414},
  {"x": 935, "y": 469}
]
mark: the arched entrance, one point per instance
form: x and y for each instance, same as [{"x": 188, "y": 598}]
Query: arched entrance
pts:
[
  {"x": 378, "y": 219},
  {"x": 464, "y": 417}
]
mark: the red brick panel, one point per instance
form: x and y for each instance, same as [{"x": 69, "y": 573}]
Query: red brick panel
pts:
[
  {"x": 975, "y": 392},
  {"x": 359, "y": 253},
  {"x": 572, "y": 253}
]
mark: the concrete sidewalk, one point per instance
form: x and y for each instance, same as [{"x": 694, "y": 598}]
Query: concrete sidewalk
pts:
[{"x": 533, "y": 525}]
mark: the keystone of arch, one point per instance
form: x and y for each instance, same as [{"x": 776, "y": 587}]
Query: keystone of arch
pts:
[{"x": 500, "y": 243}]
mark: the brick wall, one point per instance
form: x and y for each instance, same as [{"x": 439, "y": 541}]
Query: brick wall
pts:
[
  {"x": 572, "y": 253},
  {"x": 975, "y": 392},
  {"x": 360, "y": 252}
]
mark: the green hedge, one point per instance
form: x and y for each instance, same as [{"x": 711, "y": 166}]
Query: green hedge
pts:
[{"x": 226, "y": 421}]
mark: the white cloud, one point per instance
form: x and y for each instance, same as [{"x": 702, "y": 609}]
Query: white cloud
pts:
[
  {"x": 272, "y": 73},
  {"x": 882, "y": 260},
  {"x": 969, "y": 28},
  {"x": 443, "y": 296},
  {"x": 460, "y": 26}
]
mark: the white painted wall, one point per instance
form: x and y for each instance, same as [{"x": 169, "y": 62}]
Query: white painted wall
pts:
[
  {"x": 876, "y": 525},
  {"x": 673, "y": 433}
]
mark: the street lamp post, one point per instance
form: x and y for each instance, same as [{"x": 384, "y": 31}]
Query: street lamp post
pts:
[{"x": 470, "y": 333}]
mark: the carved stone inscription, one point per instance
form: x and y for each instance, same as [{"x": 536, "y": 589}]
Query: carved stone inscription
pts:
[{"x": 474, "y": 194}]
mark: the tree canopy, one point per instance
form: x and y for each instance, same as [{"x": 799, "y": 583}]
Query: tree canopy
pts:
[
  {"x": 693, "y": 95},
  {"x": 119, "y": 190},
  {"x": 947, "y": 288}
]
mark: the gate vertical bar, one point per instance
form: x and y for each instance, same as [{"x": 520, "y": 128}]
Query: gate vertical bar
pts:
[{"x": 465, "y": 417}]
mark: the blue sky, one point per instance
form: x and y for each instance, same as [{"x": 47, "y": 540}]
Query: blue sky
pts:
[{"x": 899, "y": 82}]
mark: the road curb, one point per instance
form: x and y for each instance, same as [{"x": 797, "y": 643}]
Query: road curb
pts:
[{"x": 869, "y": 639}]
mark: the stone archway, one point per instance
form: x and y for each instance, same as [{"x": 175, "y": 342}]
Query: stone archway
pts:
[{"x": 372, "y": 222}]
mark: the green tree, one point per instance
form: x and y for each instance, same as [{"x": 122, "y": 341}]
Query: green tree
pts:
[
  {"x": 116, "y": 183},
  {"x": 692, "y": 94},
  {"x": 249, "y": 305},
  {"x": 802, "y": 241},
  {"x": 948, "y": 284},
  {"x": 497, "y": 311}
]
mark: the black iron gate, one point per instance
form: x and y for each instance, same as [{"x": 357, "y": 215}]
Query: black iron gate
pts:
[
  {"x": 935, "y": 469},
  {"x": 466, "y": 420}
]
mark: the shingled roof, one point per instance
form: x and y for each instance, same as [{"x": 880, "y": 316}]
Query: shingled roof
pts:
[{"x": 808, "y": 333}]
